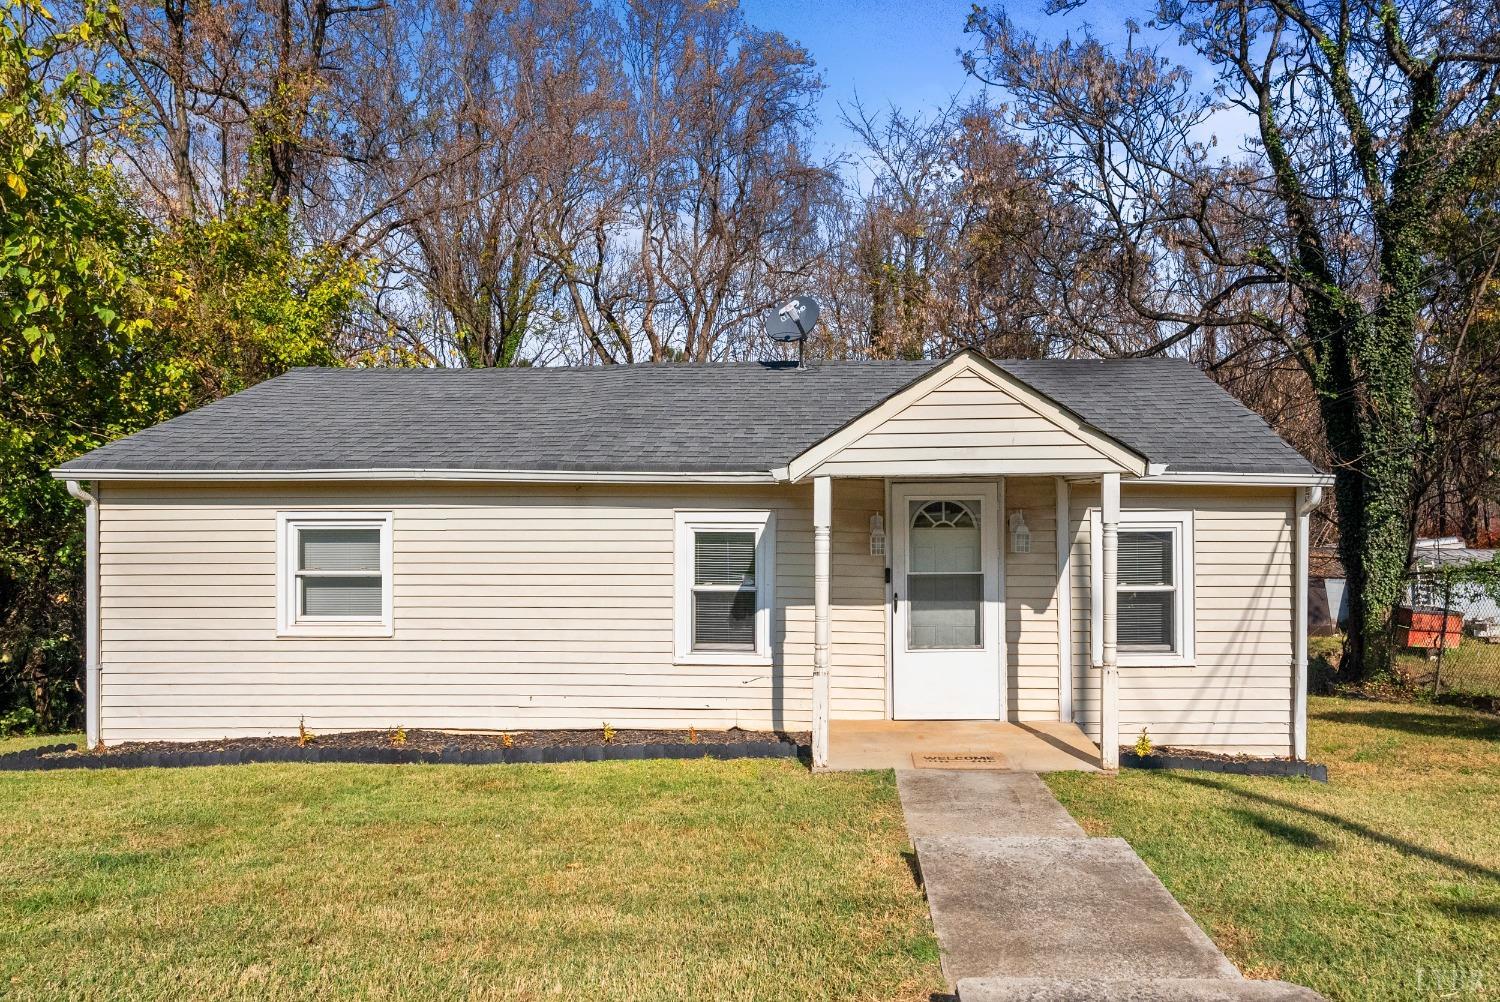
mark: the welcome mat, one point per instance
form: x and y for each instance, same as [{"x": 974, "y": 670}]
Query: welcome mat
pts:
[{"x": 958, "y": 760}]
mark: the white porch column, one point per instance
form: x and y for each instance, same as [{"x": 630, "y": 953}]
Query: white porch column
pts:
[
  {"x": 822, "y": 561},
  {"x": 1109, "y": 674}
]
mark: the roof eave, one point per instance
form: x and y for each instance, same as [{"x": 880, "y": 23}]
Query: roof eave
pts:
[
  {"x": 426, "y": 475},
  {"x": 1210, "y": 478}
]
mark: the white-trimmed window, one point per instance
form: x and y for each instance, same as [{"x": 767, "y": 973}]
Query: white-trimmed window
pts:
[
  {"x": 1154, "y": 614},
  {"x": 724, "y": 585},
  {"x": 334, "y": 574}
]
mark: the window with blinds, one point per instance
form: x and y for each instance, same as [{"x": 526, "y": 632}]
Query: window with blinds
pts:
[
  {"x": 724, "y": 590},
  {"x": 334, "y": 577},
  {"x": 338, "y": 573},
  {"x": 1147, "y": 598},
  {"x": 723, "y": 586}
]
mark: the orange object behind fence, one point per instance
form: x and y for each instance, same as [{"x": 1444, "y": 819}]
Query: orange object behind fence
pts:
[{"x": 1429, "y": 628}]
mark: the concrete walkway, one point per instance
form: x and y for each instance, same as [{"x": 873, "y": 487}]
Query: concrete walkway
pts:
[{"x": 1028, "y": 907}]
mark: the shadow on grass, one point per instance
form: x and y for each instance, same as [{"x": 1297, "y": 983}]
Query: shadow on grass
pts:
[
  {"x": 1469, "y": 909},
  {"x": 1353, "y": 827},
  {"x": 1297, "y": 835},
  {"x": 1437, "y": 725},
  {"x": 914, "y": 865}
]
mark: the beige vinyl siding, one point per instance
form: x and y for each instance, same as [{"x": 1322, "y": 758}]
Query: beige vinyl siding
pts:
[
  {"x": 1238, "y": 695},
  {"x": 514, "y": 607},
  {"x": 1031, "y": 601},
  {"x": 965, "y": 420}
]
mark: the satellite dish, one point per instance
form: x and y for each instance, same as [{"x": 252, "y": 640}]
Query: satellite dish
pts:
[{"x": 792, "y": 320}]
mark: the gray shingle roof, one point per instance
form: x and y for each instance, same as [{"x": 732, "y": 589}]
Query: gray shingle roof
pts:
[{"x": 730, "y": 418}]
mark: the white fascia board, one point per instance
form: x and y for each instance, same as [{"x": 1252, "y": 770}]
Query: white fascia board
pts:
[
  {"x": 428, "y": 476},
  {"x": 1240, "y": 479},
  {"x": 1116, "y": 454}
]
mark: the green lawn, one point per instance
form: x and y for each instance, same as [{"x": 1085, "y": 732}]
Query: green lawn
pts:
[
  {"x": 1470, "y": 669},
  {"x": 657, "y": 880},
  {"x": 22, "y": 742},
  {"x": 1383, "y": 884}
]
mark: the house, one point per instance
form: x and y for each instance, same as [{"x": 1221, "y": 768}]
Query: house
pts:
[{"x": 1114, "y": 543}]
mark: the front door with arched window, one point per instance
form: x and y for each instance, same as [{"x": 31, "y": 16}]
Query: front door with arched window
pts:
[{"x": 945, "y": 587}]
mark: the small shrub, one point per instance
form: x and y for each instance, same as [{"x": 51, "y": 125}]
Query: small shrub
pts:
[
  {"x": 1143, "y": 743},
  {"x": 20, "y": 721},
  {"x": 398, "y": 736},
  {"x": 609, "y": 732},
  {"x": 305, "y": 737},
  {"x": 507, "y": 741}
]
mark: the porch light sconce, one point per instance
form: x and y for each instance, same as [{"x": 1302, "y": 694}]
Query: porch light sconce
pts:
[
  {"x": 1020, "y": 535},
  {"x": 877, "y": 535}
]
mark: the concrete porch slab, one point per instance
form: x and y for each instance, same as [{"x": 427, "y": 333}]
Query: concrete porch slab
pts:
[
  {"x": 1063, "y": 909},
  {"x": 987, "y": 804},
  {"x": 1031, "y": 746}
]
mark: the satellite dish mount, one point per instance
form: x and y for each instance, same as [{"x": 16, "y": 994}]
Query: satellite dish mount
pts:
[{"x": 792, "y": 321}]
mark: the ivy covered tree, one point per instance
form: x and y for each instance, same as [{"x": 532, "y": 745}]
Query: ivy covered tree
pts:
[{"x": 1365, "y": 120}]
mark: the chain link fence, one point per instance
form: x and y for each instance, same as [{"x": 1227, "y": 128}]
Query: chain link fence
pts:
[{"x": 1447, "y": 633}]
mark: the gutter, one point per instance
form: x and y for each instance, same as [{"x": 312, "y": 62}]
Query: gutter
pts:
[
  {"x": 91, "y": 613},
  {"x": 1308, "y": 498},
  {"x": 425, "y": 476},
  {"x": 1315, "y": 480}
]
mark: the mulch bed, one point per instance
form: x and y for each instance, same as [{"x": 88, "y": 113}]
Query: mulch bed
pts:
[
  {"x": 423, "y": 746},
  {"x": 436, "y": 741},
  {"x": 1198, "y": 760}
]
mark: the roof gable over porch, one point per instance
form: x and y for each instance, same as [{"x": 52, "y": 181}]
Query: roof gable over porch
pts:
[{"x": 967, "y": 417}]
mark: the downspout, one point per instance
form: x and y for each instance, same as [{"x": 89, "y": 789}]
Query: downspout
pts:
[
  {"x": 1064, "y": 603},
  {"x": 1109, "y": 670},
  {"x": 1308, "y": 498},
  {"x": 822, "y": 563},
  {"x": 91, "y": 613}
]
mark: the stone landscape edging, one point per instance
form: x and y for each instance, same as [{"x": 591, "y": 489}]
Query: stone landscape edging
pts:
[
  {"x": 32, "y": 758},
  {"x": 1314, "y": 771}
]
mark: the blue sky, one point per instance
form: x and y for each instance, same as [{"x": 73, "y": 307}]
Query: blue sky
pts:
[{"x": 888, "y": 51}]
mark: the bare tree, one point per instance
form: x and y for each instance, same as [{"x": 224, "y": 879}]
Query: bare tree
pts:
[
  {"x": 727, "y": 195},
  {"x": 1368, "y": 119}
]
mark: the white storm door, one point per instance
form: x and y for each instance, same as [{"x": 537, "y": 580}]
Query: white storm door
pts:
[{"x": 945, "y": 585}]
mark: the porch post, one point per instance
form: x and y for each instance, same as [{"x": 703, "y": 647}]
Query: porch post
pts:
[
  {"x": 1109, "y": 674},
  {"x": 822, "y": 559}
]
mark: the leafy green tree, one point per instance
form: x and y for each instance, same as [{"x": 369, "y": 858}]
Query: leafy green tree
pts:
[
  {"x": 238, "y": 301},
  {"x": 110, "y": 323},
  {"x": 73, "y": 371}
]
